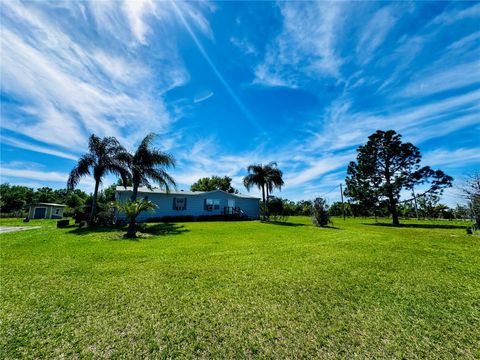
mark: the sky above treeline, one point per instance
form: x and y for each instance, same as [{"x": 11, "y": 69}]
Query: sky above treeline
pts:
[{"x": 227, "y": 84}]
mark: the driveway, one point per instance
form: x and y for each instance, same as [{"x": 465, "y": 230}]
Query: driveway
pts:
[{"x": 5, "y": 229}]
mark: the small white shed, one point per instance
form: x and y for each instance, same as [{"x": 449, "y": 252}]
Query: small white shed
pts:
[{"x": 46, "y": 211}]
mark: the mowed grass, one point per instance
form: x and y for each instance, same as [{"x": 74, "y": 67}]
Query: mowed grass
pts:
[{"x": 242, "y": 289}]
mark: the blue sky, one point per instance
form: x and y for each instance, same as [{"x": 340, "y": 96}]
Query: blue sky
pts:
[{"x": 227, "y": 84}]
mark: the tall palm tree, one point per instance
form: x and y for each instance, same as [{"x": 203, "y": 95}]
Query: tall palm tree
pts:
[
  {"x": 274, "y": 178},
  {"x": 104, "y": 156},
  {"x": 148, "y": 163},
  {"x": 257, "y": 176}
]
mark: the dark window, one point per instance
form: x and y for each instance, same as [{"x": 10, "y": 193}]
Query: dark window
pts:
[
  {"x": 211, "y": 204},
  {"x": 179, "y": 203}
]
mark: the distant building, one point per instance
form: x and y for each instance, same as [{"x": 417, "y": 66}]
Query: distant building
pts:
[
  {"x": 192, "y": 203},
  {"x": 46, "y": 211}
]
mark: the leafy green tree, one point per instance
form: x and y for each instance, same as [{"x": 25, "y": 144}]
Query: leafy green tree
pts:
[
  {"x": 429, "y": 206},
  {"x": 148, "y": 163},
  {"x": 15, "y": 198},
  {"x": 276, "y": 209},
  {"x": 132, "y": 209},
  {"x": 46, "y": 195},
  {"x": 385, "y": 166},
  {"x": 407, "y": 210},
  {"x": 214, "y": 183},
  {"x": 104, "y": 156},
  {"x": 289, "y": 207},
  {"x": 461, "y": 212},
  {"x": 304, "y": 208},
  {"x": 471, "y": 191},
  {"x": 74, "y": 200},
  {"x": 336, "y": 209}
]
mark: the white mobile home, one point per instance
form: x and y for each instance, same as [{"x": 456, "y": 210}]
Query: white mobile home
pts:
[{"x": 192, "y": 203}]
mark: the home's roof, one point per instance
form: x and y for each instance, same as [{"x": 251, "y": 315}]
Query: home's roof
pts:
[
  {"x": 50, "y": 204},
  {"x": 179, "y": 192}
]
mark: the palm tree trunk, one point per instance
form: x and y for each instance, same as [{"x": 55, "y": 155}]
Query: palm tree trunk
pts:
[
  {"x": 94, "y": 202},
  {"x": 134, "y": 192},
  {"x": 263, "y": 200},
  {"x": 266, "y": 207},
  {"x": 132, "y": 229}
]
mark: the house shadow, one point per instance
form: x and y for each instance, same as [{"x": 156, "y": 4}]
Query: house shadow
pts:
[
  {"x": 419, "y": 226},
  {"x": 164, "y": 229}
]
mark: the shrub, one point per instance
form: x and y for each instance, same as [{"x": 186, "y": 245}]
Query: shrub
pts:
[
  {"x": 320, "y": 215},
  {"x": 105, "y": 218},
  {"x": 63, "y": 223},
  {"x": 276, "y": 209},
  {"x": 14, "y": 214}
]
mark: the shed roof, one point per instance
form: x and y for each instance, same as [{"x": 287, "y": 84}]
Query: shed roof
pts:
[
  {"x": 50, "y": 204},
  {"x": 180, "y": 192}
]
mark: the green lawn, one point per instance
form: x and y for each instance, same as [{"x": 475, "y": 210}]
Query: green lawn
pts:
[{"x": 242, "y": 289}]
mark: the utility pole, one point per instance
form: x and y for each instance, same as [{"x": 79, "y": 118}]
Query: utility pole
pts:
[
  {"x": 415, "y": 202},
  {"x": 343, "y": 204}
]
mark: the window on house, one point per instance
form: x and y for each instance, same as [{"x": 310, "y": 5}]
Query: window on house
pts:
[
  {"x": 211, "y": 204},
  {"x": 179, "y": 203},
  {"x": 57, "y": 211}
]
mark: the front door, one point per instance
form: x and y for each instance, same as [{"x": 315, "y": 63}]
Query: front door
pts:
[
  {"x": 231, "y": 203},
  {"x": 39, "y": 213}
]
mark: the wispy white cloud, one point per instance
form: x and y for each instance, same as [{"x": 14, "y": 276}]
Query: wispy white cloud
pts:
[
  {"x": 136, "y": 11},
  {"x": 37, "y": 148},
  {"x": 465, "y": 43},
  {"x": 456, "y": 158},
  {"x": 318, "y": 168},
  {"x": 435, "y": 81},
  {"x": 244, "y": 46},
  {"x": 306, "y": 46},
  {"x": 70, "y": 87},
  {"x": 453, "y": 15},
  {"x": 202, "y": 96},
  {"x": 42, "y": 175},
  {"x": 375, "y": 33}
]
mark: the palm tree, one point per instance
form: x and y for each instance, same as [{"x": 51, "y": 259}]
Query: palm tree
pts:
[
  {"x": 104, "y": 156},
  {"x": 257, "y": 176},
  {"x": 274, "y": 178},
  {"x": 132, "y": 209},
  {"x": 150, "y": 163}
]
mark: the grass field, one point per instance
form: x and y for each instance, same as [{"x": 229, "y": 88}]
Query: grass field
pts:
[{"x": 242, "y": 289}]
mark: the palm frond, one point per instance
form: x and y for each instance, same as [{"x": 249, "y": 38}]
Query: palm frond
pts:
[
  {"x": 149, "y": 163},
  {"x": 80, "y": 170}
]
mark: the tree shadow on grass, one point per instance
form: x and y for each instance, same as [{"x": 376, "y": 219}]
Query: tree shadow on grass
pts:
[
  {"x": 331, "y": 227},
  {"x": 164, "y": 229},
  {"x": 419, "y": 226},
  {"x": 95, "y": 229},
  {"x": 286, "y": 223},
  {"x": 282, "y": 223},
  {"x": 156, "y": 229}
]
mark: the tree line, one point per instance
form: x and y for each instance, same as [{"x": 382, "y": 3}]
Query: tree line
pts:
[{"x": 385, "y": 168}]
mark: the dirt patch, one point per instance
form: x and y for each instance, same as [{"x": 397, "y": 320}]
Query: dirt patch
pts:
[{"x": 5, "y": 229}]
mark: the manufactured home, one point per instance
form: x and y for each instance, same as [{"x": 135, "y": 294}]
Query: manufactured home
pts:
[
  {"x": 192, "y": 203},
  {"x": 46, "y": 211}
]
